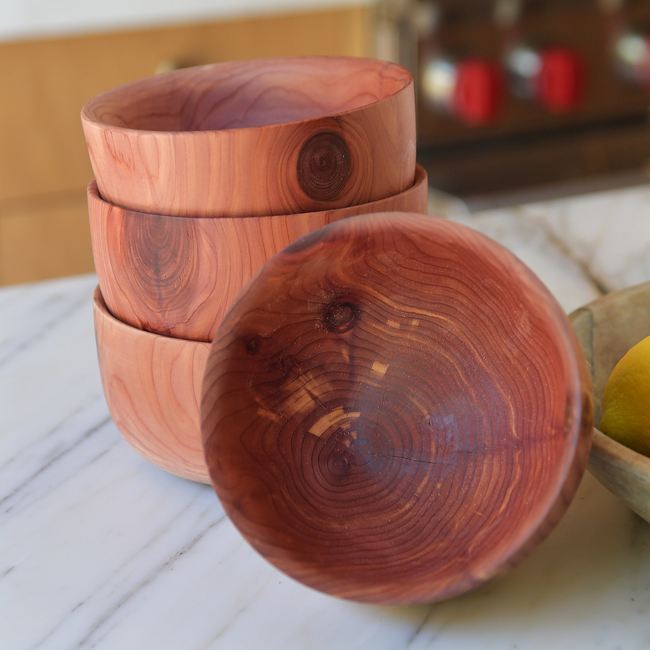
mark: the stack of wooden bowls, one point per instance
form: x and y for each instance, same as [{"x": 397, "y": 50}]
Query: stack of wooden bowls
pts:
[{"x": 202, "y": 175}]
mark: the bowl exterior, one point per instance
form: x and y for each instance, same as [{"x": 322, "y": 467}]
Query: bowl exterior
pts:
[
  {"x": 152, "y": 386},
  {"x": 264, "y": 170},
  {"x": 178, "y": 276}
]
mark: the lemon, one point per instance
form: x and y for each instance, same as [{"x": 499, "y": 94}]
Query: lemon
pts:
[{"x": 626, "y": 404}]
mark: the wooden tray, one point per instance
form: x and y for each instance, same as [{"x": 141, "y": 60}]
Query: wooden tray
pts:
[{"x": 607, "y": 329}]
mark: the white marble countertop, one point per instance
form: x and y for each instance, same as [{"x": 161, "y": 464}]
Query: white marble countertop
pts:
[{"x": 99, "y": 549}]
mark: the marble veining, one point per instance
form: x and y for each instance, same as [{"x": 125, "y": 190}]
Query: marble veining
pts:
[{"x": 99, "y": 549}]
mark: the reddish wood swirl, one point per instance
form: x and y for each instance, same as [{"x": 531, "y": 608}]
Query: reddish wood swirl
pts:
[
  {"x": 261, "y": 137},
  {"x": 152, "y": 386},
  {"x": 178, "y": 276},
  {"x": 395, "y": 410}
]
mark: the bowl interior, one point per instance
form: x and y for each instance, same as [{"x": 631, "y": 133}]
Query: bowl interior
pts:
[
  {"x": 391, "y": 409},
  {"x": 248, "y": 93}
]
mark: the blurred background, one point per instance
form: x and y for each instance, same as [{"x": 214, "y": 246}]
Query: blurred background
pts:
[{"x": 516, "y": 98}]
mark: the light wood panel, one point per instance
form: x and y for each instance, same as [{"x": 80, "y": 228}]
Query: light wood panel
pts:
[{"x": 45, "y": 239}]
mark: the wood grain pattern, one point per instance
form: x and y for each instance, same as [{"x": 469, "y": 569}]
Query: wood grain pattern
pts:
[
  {"x": 44, "y": 238},
  {"x": 152, "y": 386},
  {"x": 607, "y": 329},
  {"x": 255, "y": 138},
  {"x": 395, "y": 410},
  {"x": 178, "y": 276}
]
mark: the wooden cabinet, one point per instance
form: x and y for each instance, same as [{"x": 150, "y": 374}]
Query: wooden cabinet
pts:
[{"x": 44, "y": 166}]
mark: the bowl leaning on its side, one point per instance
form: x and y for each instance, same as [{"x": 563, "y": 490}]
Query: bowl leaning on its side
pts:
[
  {"x": 395, "y": 410},
  {"x": 607, "y": 329}
]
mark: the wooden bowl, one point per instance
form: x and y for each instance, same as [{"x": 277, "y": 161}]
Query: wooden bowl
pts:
[
  {"x": 607, "y": 329},
  {"x": 395, "y": 410},
  {"x": 152, "y": 385},
  {"x": 178, "y": 276},
  {"x": 261, "y": 137}
]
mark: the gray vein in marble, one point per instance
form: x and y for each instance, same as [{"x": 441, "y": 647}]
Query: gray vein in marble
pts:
[
  {"x": 141, "y": 585},
  {"x": 253, "y": 597},
  {"x": 528, "y": 241},
  {"x": 47, "y": 434},
  {"x": 566, "y": 250},
  {"x": 91, "y": 432},
  {"x": 7, "y": 571},
  {"x": 608, "y": 231},
  {"x": 418, "y": 635},
  {"x": 44, "y": 330},
  {"x": 418, "y": 630},
  {"x": 136, "y": 588}
]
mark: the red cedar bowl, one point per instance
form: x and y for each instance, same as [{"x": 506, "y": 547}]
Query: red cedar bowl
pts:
[
  {"x": 152, "y": 385},
  {"x": 607, "y": 329},
  {"x": 178, "y": 276},
  {"x": 395, "y": 410},
  {"x": 261, "y": 137}
]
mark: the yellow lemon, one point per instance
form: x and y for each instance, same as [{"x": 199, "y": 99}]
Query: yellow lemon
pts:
[{"x": 626, "y": 404}]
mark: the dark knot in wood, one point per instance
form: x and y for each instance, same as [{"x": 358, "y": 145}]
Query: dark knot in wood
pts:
[
  {"x": 161, "y": 259},
  {"x": 347, "y": 456},
  {"x": 252, "y": 345},
  {"x": 339, "y": 316},
  {"x": 324, "y": 166}
]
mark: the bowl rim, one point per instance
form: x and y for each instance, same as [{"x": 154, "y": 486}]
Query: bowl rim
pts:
[
  {"x": 89, "y": 118},
  {"x": 607, "y": 447},
  {"x": 603, "y": 445},
  {"x": 131, "y": 330},
  {"x": 421, "y": 177}
]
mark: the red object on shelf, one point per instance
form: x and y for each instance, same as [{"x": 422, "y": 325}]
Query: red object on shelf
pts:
[
  {"x": 561, "y": 81},
  {"x": 478, "y": 95}
]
